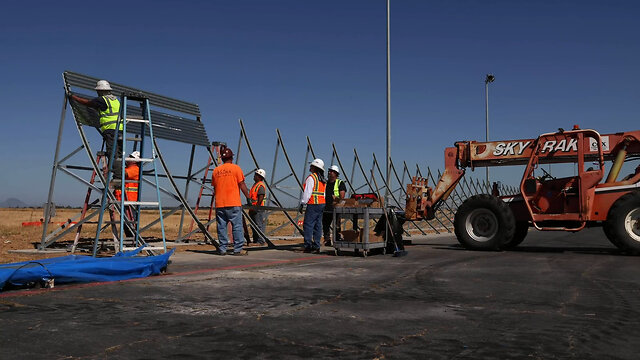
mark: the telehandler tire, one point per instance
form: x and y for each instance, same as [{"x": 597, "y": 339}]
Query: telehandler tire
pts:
[
  {"x": 522, "y": 229},
  {"x": 607, "y": 233},
  {"x": 622, "y": 226},
  {"x": 484, "y": 222}
]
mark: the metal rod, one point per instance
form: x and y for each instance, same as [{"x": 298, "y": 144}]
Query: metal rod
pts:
[
  {"x": 489, "y": 78},
  {"x": 182, "y": 199},
  {"x": 54, "y": 168},
  {"x": 357, "y": 160},
  {"x": 246, "y": 141},
  {"x": 335, "y": 152},
  {"x": 186, "y": 187},
  {"x": 386, "y": 196}
]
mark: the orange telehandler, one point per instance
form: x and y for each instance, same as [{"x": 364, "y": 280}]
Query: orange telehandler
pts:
[{"x": 494, "y": 222}]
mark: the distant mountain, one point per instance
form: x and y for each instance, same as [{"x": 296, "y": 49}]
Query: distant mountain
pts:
[{"x": 12, "y": 203}]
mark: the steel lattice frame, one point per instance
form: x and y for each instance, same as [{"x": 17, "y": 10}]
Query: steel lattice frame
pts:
[
  {"x": 295, "y": 173},
  {"x": 169, "y": 126},
  {"x": 276, "y": 186}
]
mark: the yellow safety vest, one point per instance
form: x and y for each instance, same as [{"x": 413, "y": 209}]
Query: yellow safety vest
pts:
[
  {"x": 336, "y": 191},
  {"x": 109, "y": 117}
]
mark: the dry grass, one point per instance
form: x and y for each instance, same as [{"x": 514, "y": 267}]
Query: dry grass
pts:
[{"x": 14, "y": 236}]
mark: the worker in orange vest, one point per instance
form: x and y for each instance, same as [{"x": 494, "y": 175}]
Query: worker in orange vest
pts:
[
  {"x": 257, "y": 195},
  {"x": 132, "y": 177},
  {"x": 313, "y": 197}
]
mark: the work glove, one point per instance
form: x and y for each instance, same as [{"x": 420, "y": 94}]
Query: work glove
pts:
[
  {"x": 70, "y": 96},
  {"x": 300, "y": 208}
]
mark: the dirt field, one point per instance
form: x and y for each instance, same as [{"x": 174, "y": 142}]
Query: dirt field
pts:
[{"x": 15, "y": 236}]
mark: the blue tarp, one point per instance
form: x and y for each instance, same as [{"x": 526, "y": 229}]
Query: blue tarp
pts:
[{"x": 83, "y": 268}]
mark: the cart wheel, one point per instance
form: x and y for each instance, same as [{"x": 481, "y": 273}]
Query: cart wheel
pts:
[
  {"x": 338, "y": 252},
  {"x": 384, "y": 250},
  {"x": 364, "y": 253}
]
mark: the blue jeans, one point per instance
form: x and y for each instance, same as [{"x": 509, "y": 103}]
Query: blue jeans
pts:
[
  {"x": 233, "y": 215},
  {"x": 312, "y": 226},
  {"x": 258, "y": 217}
]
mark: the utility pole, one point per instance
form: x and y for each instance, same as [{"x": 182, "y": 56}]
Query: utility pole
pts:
[
  {"x": 488, "y": 79},
  {"x": 386, "y": 193}
]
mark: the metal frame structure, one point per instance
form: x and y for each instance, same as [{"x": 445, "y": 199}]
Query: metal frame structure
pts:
[
  {"x": 184, "y": 128},
  {"x": 287, "y": 176},
  {"x": 187, "y": 128}
]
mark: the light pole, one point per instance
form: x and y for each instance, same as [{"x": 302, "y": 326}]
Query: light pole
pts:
[
  {"x": 386, "y": 192},
  {"x": 488, "y": 79}
]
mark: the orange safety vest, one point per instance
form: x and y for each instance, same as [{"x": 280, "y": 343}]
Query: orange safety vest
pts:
[
  {"x": 131, "y": 172},
  {"x": 253, "y": 193},
  {"x": 317, "y": 195}
]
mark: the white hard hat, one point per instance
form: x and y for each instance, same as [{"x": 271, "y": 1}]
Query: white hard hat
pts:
[
  {"x": 135, "y": 155},
  {"x": 334, "y": 168},
  {"x": 261, "y": 172},
  {"x": 103, "y": 85},
  {"x": 318, "y": 163}
]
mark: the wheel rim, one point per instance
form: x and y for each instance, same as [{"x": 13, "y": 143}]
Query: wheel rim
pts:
[
  {"x": 632, "y": 224},
  {"x": 482, "y": 225}
]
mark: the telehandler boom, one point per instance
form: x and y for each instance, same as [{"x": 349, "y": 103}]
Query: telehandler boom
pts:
[{"x": 492, "y": 222}]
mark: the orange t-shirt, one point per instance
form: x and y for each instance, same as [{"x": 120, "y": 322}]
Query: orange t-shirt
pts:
[{"x": 225, "y": 180}]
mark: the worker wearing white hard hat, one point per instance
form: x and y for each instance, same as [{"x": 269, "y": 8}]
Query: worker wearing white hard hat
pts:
[
  {"x": 334, "y": 192},
  {"x": 108, "y": 107},
  {"x": 257, "y": 196},
  {"x": 131, "y": 183},
  {"x": 313, "y": 197}
]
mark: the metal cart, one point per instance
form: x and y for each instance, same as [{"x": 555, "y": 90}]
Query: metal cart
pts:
[{"x": 357, "y": 213}]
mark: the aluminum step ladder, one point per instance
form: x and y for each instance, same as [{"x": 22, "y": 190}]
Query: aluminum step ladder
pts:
[
  {"x": 125, "y": 206},
  {"x": 101, "y": 160}
]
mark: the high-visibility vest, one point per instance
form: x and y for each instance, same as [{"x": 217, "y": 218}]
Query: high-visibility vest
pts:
[
  {"x": 336, "y": 189},
  {"x": 109, "y": 117},
  {"x": 131, "y": 172},
  {"x": 253, "y": 193},
  {"x": 317, "y": 195}
]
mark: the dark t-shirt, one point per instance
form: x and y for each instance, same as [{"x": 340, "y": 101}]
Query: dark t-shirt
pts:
[
  {"x": 99, "y": 103},
  {"x": 328, "y": 193}
]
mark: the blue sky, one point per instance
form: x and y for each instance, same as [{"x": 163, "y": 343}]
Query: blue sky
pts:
[{"x": 317, "y": 68}]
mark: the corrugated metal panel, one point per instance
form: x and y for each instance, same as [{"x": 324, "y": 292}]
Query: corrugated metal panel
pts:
[
  {"x": 165, "y": 126},
  {"x": 73, "y": 79}
]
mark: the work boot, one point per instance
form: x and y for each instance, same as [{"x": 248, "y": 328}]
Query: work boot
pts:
[{"x": 241, "y": 253}]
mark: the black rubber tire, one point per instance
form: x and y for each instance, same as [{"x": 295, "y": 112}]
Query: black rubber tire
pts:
[
  {"x": 522, "y": 229},
  {"x": 623, "y": 223},
  {"x": 484, "y": 222},
  {"x": 607, "y": 232}
]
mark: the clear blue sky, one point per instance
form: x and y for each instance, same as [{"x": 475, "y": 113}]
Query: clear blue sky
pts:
[{"x": 317, "y": 68}]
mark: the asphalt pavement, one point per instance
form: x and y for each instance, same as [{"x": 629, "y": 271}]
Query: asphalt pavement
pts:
[{"x": 557, "y": 296}]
